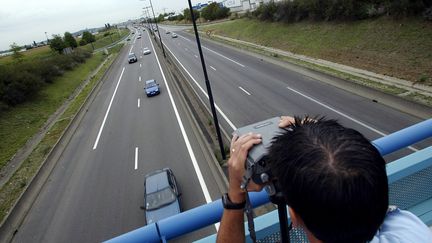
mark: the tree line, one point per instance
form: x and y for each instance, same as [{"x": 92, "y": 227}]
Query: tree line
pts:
[
  {"x": 58, "y": 44},
  {"x": 328, "y": 10},
  {"x": 211, "y": 12}
]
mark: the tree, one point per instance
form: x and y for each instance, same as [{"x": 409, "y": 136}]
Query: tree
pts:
[
  {"x": 82, "y": 42},
  {"x": 88, "y": 37},
  {"x": 70, "y": 40},
  {"x": 187, "y": 14},
  {"x": 16, "y": 55},
  {"x": 214, "y": 11},
  {"x": 57, "y": 44}
]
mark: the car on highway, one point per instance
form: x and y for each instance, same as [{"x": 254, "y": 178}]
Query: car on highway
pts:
[
  {"x": 151, "y": 88},
  {"x": 139, "y": 37},
  {"x": 146, "y": 51},
  {"x": 132, "y": 58},
  {"x": 167, "y": 32},
  {"x": 161, "y": 195},
  {"x": 173, "y": 35}
]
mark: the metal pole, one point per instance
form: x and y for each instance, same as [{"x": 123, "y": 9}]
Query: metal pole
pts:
[
  {"x": 157, "y": 27},
  {"x": 209, "y": 91},
  {"x": 47, "y": 37},
  {"x": 147, "y": 18}
]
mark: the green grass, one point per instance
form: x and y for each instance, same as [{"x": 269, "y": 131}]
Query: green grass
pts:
[
  {"x": 35, "y": 53},
  {"x": 396, "y": 48},
  {"x": 102, "y": 41},
  {"x": 11, "y": 191},
  {"x": 19, "y": 123}
]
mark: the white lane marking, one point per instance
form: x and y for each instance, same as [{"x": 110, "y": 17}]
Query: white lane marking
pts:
[
  {"x": 135, "y": 40},
  {"x": 140, "y": 65},
  {"x": 344, "y": 115},
  {"x": 178, "y": 44},
  {"x": 139, "y": 102},
  {"x": 185, "y": 137},
  {"x": 244, "y": 90},
  {"x": 140, "y": 56},
  {"x": 106, "y": 114},
  {"x": 136, "y": 158},
  {"x": 202, "y": 90},
  {"x": 139, "y": 78},
  {"x": 196, "y": 56},
  {"x": 217, "y": 53},
  {"x": 131, "y": 49},
  {"x": 213, "y": 68},
  {"x": 186, "y": 49},
  {"x": 184, "y": 38}
]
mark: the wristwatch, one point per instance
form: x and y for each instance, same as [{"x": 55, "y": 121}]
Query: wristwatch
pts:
[{"x": 227, "y": 204}]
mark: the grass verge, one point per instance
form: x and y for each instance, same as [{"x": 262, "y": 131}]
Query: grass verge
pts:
[
  {"x": 102, "y": 41},
  {"x": 35, "y": 53},
  {"x": 11, "y": 191},
  {"x": 21, "y": 122}
]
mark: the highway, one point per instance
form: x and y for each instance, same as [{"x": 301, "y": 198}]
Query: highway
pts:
[
  {"x": 96, "y": 189},
  {"x": 248, "y": 89}
]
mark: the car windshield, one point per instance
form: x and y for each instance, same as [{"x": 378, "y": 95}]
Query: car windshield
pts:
[
  {"x": 131, "y": 55},
  {"x": 151, "y": 84},
  {"x": 160, "y": 198}
]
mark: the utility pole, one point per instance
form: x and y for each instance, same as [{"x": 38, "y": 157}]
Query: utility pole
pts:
[
  {"x": 157, "y": 28},
  {"x": 207, "y": 81},
  {"x": 46, "y": 34},
  {"x": 147, "y": 18}
]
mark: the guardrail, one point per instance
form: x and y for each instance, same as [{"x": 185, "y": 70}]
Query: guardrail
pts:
[{"x": 211, "y": 213}]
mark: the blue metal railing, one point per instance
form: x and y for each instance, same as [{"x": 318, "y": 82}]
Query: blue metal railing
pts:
[{"x": 211, "y": 213}]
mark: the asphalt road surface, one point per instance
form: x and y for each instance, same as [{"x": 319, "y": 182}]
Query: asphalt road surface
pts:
[
  {"x": 247, "y": 89},
  {"x": 95, "y": 191}
]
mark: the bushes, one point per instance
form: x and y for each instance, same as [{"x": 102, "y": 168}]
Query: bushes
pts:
[
  {"x": 19, "y": 82},
  {"x": 325, "y": 10}
]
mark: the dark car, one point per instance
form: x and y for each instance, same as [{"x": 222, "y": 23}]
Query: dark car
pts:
[
  {"x": 132, "y": 58},
  {"x": 161, "y": 195},
  {"x": 151, "y": 88}
]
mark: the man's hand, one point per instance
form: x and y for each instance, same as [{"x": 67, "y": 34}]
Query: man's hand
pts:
[
  {"x": 240, "y": 147},
  {"x": 286, "y": 121}
]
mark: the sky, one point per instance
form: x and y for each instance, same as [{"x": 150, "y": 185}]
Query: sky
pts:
[{"x": 25, "y": 21}]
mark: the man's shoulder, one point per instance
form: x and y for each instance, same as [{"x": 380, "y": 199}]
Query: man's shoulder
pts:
[{"x": 402, "y": 226}]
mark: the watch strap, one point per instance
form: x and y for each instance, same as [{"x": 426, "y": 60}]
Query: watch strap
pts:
[{"x": 228, "y": 204}]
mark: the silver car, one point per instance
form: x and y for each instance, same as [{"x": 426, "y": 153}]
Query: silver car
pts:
[{"x": 146, "y": 51}]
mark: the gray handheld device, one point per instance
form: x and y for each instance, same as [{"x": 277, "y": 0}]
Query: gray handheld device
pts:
[{"x": 256, "y": 165}]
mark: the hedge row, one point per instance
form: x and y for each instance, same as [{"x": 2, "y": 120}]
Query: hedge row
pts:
[
  {"x": 297, "y": 10},
  {"x": 20, "y": 81}
]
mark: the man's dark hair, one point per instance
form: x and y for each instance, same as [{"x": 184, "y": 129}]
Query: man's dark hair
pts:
[{"x": 333, "y": 178}]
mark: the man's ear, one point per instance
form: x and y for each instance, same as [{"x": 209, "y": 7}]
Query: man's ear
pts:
[{"x": 295, "y": 219}]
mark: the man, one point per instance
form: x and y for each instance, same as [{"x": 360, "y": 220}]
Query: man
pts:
[{"x": 333, "y": 180}]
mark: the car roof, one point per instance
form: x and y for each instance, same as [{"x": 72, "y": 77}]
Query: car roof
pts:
[
  {"x": 150, "y": 81},
  {"x": 156, "y": 181},
  {"x": 131, "y": 54}
]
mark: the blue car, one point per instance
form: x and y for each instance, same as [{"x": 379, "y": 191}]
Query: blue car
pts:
[
  {"x": 161, "y": 195},
  {"x": 151, "y": 88}
]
